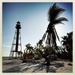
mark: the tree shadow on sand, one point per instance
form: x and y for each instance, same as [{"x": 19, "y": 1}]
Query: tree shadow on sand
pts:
[
  {"x": 9, "y": 63},
  {"x": 52, "y": 70},
  {"x": 39, "y": 67},
  {"x": 12, "y": 70},
  {"x": 49, "y": 68},
  {"x": 58, "y": 65},
  {"x": 34, "y": 67}
]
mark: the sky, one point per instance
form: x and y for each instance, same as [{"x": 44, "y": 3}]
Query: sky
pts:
[{"x": 34, "y": 21}]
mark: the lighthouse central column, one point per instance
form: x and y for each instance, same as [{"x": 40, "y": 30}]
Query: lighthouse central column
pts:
[{"x": 18, "y": 26}]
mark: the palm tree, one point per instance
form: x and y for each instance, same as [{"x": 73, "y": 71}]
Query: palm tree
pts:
[
  {"x": 53, "y": 17},
  {"x": 28, "y": 52},
  {"x": 29, "y": 48},
  {"x": 68, "y": 44},
  {"x": 39, "y": 48}
]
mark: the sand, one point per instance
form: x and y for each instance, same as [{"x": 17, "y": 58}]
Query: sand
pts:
[{"x": 38, "y": 66}]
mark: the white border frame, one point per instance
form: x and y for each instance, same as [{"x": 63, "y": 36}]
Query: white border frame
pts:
[{"x": 1, "y": 36}]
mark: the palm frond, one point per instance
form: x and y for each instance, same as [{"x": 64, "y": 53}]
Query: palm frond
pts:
[
  {"x": 54, "y": 12},
  {"x": 59, "y": 20}
]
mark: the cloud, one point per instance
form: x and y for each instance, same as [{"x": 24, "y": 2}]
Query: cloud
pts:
[{"x": 6, "y": 46}]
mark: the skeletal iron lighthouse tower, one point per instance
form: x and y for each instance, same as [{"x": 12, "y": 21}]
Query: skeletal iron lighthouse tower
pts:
[{"x": 16, "y": 49}]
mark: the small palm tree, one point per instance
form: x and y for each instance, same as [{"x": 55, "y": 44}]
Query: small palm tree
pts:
[
  {"x": 68, "y": 44},
  {"x": 54, "y": 19},
  {"x": 29, "y": 48}
]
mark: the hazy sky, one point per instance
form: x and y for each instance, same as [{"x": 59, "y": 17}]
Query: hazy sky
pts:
[{"x": 34, "y": 21}]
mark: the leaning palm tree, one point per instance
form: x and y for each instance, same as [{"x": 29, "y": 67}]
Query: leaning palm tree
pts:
[{"x": 53, "y": 17}]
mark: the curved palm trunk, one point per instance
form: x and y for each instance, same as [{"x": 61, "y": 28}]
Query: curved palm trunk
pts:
[{"x": 51, "y": 33}]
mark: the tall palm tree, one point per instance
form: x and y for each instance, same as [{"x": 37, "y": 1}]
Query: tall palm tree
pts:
[{"x": 53, "y": 17}]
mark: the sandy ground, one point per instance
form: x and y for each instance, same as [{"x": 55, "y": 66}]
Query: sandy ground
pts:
[{"x": 36, "y": 67}]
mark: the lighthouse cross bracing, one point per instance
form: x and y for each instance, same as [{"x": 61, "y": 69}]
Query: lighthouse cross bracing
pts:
[{"x": 16, "y": 49}]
